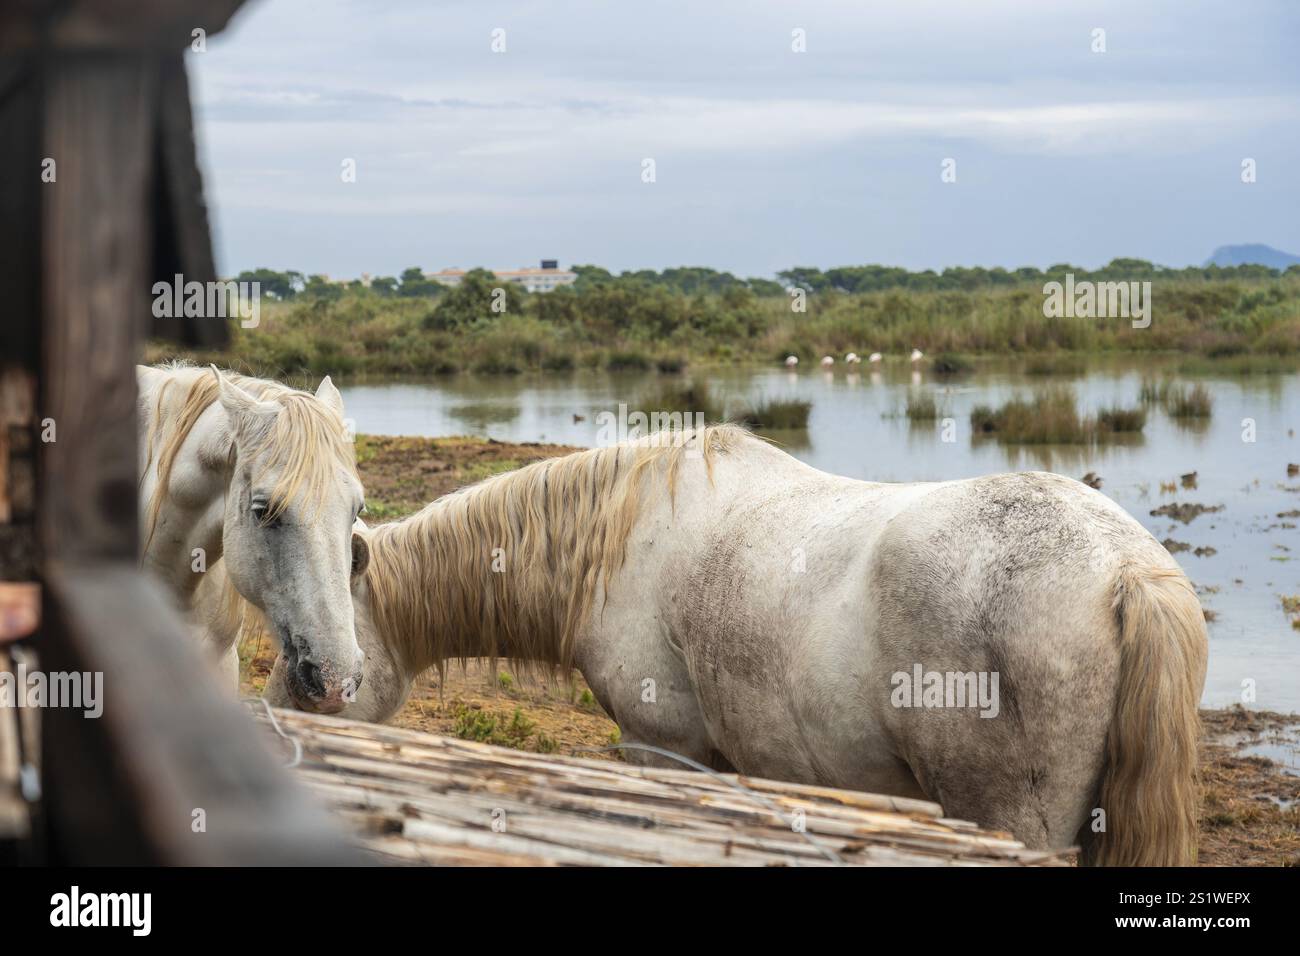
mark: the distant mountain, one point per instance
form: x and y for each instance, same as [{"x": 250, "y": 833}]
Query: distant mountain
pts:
[{"x": 1254, "y": 253}]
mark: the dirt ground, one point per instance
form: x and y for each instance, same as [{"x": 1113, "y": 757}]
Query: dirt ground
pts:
[
  {"x": 402, "y": 475},
  {"x": 1250, "y": 810}
]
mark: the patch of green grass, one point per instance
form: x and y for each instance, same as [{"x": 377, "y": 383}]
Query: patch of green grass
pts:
[
  {"x": 1291, "y": 606},
  {"x": 379, "y": 510},
  {"x": 486, "y": 469},
  {"x": 364, "y": 449},
  {"x": 486, "y": 728},
  {"x": 520, "y": 726},
  {"x": 505, "y": 681},
  {"x": 474, "y": 725},
  {"x": 587, "y": 700}
]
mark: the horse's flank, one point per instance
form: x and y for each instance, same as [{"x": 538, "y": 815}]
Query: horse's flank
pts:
[{"x": 512, "y": 566}]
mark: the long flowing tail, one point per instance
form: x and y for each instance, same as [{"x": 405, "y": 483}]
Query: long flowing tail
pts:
[{"x": 1149, "y": 788}]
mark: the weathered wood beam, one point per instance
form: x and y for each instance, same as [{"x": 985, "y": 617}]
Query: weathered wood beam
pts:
[
  {"x": 414, "y": 797},
  {"x": 169, "y": 749},
  {"x": 20, "y": 210},
  {"x": 95, "y": 248},
  {"x": 110, "y": 24}
]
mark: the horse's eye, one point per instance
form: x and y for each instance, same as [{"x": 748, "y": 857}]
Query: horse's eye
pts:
[{"x": 259, "y": 509}]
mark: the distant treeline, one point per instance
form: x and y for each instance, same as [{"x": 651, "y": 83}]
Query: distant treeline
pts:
[
  {"x": 1247, "y": 316},
  {"x": 691, "y": 280}
]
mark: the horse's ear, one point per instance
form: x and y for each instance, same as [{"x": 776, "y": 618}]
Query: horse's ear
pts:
[
  {"x": 360, "y": 555},
  {"x": 245, "y": 411},
  {"x": 328, "y": 394}
]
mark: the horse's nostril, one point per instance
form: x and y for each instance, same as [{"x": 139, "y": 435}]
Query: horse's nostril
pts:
[{"x": 310, "y": 677}]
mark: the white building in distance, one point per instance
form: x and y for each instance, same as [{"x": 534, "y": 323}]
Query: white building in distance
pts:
[{"x": 549, "y": 276}]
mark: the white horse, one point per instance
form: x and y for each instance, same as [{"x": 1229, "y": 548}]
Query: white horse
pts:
[
  {"x": 265, "y": 475},
  {"x": 748, "y": 611}
]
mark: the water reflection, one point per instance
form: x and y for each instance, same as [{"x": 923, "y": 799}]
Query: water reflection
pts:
[{"x": 479, "y": 415}]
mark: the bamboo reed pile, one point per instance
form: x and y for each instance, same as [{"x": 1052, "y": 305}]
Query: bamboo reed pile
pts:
[{"x": 416, "y": 798}]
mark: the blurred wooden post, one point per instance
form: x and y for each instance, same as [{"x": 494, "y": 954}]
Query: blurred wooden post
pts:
[{"x": 93, "y": 85}]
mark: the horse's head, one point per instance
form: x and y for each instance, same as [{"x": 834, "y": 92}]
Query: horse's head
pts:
[
  {"x": 388, "y": 679},
  {"x": 287, "y": 532}
]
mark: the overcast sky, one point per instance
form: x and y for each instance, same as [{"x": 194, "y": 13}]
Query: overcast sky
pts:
[{"x": 764, "y": 157}]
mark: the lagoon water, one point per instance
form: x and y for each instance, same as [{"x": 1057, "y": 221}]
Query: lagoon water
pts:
[{"x": 857, "y": 429}]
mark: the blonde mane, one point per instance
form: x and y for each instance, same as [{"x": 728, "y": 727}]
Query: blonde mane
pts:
[
  {"x": 561, "y": 527},
  {"x": 306, "y": 442}
]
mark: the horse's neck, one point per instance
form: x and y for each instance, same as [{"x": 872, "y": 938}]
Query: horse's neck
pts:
[
  {"x": 518, "y": 571},
  {"x": 445, "y": 600}
]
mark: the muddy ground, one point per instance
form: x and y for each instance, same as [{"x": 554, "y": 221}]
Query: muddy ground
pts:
[{"x": 1250, "y": 809}]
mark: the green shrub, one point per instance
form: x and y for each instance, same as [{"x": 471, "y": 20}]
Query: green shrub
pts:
[
  {"x": 950, "y": 363},
  {"x": 922, "y": 407},
  {"x": 777, "y": 414},
  {"x": 1052, "y": 418},
  {"x": 1193, "y": 402},
  {"x": 627, "y": 361}
]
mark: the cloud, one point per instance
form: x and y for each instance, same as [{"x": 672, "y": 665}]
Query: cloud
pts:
[{"x": 551, "y": 135}]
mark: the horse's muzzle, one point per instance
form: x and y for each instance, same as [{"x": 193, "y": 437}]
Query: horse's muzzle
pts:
[{"x": 320, "y": 689}]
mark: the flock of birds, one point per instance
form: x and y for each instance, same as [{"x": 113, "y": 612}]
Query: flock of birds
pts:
[{"x": 875, "y": 358}]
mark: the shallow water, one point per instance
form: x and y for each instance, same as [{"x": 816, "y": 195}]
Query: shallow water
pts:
[
  {"x": 1280, "y": 746},
  {"x": 857, "y": 429}
]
